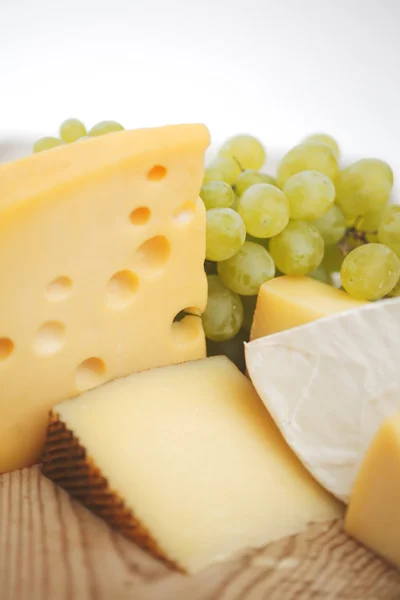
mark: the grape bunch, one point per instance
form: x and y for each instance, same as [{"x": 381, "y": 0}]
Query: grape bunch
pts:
[
  {"x": 314, "y": 218},
  {"x": 73, "y": 130}
]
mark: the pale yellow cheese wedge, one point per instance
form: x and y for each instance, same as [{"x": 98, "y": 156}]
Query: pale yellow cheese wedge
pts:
[
  {"x": 102, "y": 243},
  {"x": 286, "y": 302},
  {"x": 373, "y": 515},
  {"x": 185, "y": 460}
]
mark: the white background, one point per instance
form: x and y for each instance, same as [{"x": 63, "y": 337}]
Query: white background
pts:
[{"x": 277, "y": 69}]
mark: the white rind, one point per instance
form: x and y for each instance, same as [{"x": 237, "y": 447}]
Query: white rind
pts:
[{"x": 329, "y": 385}]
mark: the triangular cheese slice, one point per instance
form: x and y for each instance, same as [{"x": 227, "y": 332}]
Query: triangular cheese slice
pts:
[{"x": 329, "y": 385}]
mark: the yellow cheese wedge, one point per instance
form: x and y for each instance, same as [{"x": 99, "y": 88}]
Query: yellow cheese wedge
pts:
[
  {"x": 373, "y": 515},
  {"x": 102, "y": 243},
  {"x": 286, "y": 302},
  {"x": 185, "y": 460}
]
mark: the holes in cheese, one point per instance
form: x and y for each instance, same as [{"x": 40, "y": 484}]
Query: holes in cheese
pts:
[
  {"x": 185, "y": 213},
  {"x": 187, "y": 326},
  {"x": 6, "y": 348},
  {"x": 157, "y": 173},
  {"x": 140, "y": 216},
  {"x": 186, "y": 461},
  {"x": 152, "y": 255},
  {"x": 90, "y": 373},
  {"x": 65, "y": 231},
  {"x": 121, "y": 288},
  {"x": 49, "y": 338},
  {"x": 59, "y": 289}
]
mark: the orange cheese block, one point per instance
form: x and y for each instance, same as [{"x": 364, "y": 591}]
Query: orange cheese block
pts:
[{"x": 286, "y": 302}]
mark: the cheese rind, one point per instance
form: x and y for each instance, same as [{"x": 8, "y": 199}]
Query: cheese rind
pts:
[
  {"x": 102, "y": 244},
  {"x": 329, "y": 385},
  {"x": 373, "y": 515},
  {"x": 196, "y": 459},
  {"x": 286, "y": 302},
  {"x": 76, "y": 472}
]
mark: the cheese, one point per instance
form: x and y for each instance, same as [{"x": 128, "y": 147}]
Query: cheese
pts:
[
  {"x": 102, "y": 243},
  {"x": 286, "y": 302},
  {"x": 186, "y": 461},
  {"x": 329, "y": 385},
  {"x": 373, "y": 515}
]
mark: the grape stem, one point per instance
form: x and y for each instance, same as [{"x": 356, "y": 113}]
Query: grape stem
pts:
[
  {"x": 353, "y": 238},
  {"x": 357, "y": 222},
  {"x": 238, "y": 163}
]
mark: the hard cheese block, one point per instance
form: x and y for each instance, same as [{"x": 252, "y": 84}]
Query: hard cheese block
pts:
[
  {"x": 186, "y": 461},
  {"x": 329, "y": 385},
  {"x": 102, "y": 243},
  {"x": 286, "y": 302},
  {"x": 373, "y": 515}
]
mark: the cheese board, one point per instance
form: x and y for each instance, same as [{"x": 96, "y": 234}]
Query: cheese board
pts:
[{"x": 52, "y": 547}]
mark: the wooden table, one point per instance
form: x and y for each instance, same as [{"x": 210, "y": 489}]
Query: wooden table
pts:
[{"x": 51, "y": 548}]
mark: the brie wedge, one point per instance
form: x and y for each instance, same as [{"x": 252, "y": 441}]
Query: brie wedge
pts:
[{"x": 329, "y": 385}]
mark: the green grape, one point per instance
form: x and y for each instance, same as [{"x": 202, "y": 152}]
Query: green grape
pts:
[
  {"x": 248, "y": 178},
  {"x": 72, "y": 130},
  {"x": 246, "y": 150},
  {"x": 264, "y": 209},
  {"x": 105, "y": 127},
  {"x": 217, "y": 194},
  {"x": 298, "y": 249},
  {"x": 389, "y": 228},
  {"x": 370, "y": 222},
  {"x": 332, "y": 225},
  {"x": 249, "y": 306},
  {"x": 267, "y": 178},
  {"x": 308, "y": 157},
  {"x": 350, "y": 220},
  {"x": 46, "y": 143},
  {"x": 370, "y": 272},
  {"x": 333, "y": 259},
  {"x": 364, "y": 187},
  {"x": 262, "y": 241},
  {"x": 324, "y": 138},
  {"x": 247, "y": 270},
  {"x": 371, "y": 237},
  {"x": 222, "y": 169},
  {"x": 321, "y": 275},
  {"x": 223, "y": 316},
  {"x": 225, "y": 233},
  {"x": 368, "y": 225},
  {"x": 310, "y": 195},
  {"x": 235, "y": 203},
  {"x": 395, "y": 292}
]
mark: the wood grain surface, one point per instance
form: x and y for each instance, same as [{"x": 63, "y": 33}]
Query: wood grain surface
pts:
[{"x": 51, "y": 548}]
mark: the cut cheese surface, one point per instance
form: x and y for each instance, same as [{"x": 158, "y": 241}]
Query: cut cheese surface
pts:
[
  {"x": 195, "y": 457},
  {"x": 286, "y": 302},
  {"x": 102, "y": 244},
  {"x": 329, "y": 385},
  {"x": 373, "y": 515}
]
